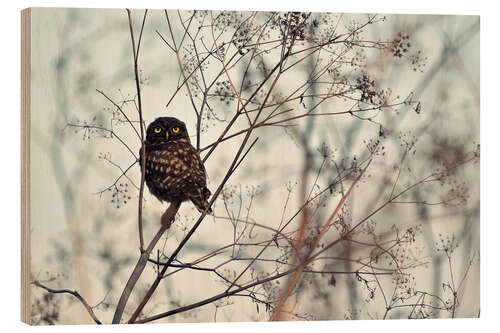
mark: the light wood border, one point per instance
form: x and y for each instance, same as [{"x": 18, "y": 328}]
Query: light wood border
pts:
[{"x": 25, "y": 164}]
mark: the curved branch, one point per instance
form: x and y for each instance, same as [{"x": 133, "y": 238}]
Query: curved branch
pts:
[{"x": 75, "y": 294}]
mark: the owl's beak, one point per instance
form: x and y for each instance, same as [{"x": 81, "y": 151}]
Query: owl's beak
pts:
[{"x": 166, "y": 135}]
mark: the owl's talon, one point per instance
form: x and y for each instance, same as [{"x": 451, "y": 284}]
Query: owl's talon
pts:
[{"x": 167, "y": 224}]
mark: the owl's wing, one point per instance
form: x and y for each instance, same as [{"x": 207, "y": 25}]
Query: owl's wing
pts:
[
  {"x": 177, "y": 165},
  {"x": 196, "y": 173}
]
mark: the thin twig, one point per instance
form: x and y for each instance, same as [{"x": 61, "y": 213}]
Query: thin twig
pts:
[
  {"x": 143, "y": 141},
  {"x": 75, "y": 294}
]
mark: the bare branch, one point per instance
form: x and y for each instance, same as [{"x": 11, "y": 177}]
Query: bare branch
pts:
[{"x": 73, "y": 293}]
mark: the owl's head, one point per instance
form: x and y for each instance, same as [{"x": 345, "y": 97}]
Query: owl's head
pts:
[{"x": 164, "y": 129}]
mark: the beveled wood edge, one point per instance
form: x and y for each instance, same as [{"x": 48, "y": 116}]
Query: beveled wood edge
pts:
[{"x": 25, "y": 164}]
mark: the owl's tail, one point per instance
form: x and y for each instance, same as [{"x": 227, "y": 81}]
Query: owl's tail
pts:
[{"x": 200, "y": 200}]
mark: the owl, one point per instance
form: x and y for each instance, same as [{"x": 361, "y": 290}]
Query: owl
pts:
[{"x": 174, "y": 171}]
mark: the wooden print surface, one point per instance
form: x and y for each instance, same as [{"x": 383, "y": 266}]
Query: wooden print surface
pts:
[
  {"x": 296, "y": 166},
  {"x": 25, "y": 163}
]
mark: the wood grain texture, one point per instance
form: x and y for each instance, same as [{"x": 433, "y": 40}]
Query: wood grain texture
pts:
[{"x": 25, "y": 163}]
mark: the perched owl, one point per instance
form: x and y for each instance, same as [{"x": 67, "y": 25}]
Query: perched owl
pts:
[{"x": 174, "y": 171}]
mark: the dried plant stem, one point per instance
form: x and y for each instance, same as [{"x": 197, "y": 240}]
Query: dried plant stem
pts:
[
  {"x": 300, "y": 269},
  {"x": 141, "y": 121},
  {"x": 166, "y": 219},
  {"x": 75, "y": 294}
]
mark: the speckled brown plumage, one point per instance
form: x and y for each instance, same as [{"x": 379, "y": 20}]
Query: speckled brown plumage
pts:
[{"x": 174, "y": 171}]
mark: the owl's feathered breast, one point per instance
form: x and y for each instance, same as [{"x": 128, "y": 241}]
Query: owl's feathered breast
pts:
[{"x": 174, "y": 170}]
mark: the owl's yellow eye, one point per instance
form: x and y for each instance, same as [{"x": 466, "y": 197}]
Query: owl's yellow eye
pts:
[
  {"x": 157, "y": 129},
  {"x": 176, "y": 130}
]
